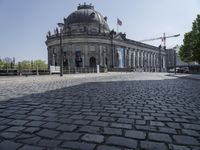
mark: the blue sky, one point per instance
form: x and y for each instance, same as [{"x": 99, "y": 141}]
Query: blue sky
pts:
[{"x": 24, "y": 23}]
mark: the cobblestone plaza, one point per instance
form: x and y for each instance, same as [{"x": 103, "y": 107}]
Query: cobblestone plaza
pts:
[{"x": 110, "y": 111}]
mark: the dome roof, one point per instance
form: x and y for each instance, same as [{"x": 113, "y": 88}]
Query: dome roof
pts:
[{"x": 86, "y": 14}]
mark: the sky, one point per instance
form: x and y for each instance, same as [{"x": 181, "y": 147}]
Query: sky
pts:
[{"x": 25, "y": 23}]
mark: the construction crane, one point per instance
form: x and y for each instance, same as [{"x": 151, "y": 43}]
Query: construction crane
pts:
[{"x": 163, "y": 38}]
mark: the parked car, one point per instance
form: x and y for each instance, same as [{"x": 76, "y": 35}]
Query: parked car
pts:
[{"x": 182, "y": 70}]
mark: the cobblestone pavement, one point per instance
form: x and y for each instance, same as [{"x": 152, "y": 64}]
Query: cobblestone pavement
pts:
[{"x": 114, "y": 111}]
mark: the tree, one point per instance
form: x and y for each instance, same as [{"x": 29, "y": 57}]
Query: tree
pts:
[
  {"x": 40, "y": 64},
  {"x": 1, "y": 64},
  {"x": 25, "y": 64},
  {"x": 37, "y": 64},
  {"x": 190, "y": 50}
]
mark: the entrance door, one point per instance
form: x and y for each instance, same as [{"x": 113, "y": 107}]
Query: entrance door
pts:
[{"x": 92, "y": 62}]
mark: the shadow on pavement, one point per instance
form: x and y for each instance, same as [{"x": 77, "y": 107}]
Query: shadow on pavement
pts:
[{"x": 160, "y": 114}]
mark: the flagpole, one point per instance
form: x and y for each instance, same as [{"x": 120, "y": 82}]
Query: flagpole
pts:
[{"x": 117, "y": 24}]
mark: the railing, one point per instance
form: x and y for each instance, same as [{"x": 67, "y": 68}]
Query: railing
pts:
[
  {"x": 26, "y": 72},
  {"x": 11, "y": 72}
]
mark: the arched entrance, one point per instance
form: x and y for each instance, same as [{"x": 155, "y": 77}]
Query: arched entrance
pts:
[
  {"x": 117, "y": 59},
  {"x": 78, "y": 59},
  {"x": 106, "y": 62},
  {"x": 92, "y": 62}
]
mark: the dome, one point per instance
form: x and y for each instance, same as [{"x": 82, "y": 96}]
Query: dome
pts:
[{"x": 86, "y": 14}]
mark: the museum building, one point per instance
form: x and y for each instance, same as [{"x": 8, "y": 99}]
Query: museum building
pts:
[{"x": 87, "y": 41}]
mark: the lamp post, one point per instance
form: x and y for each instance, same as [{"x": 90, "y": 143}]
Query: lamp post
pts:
[
  {"x": 175, "y": 58},
  {"x": 61, "y": 25},
  {"x": 174, "y": 61}
]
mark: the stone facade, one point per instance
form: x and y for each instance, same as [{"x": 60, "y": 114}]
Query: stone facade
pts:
[{"x": 88, "y": 41}]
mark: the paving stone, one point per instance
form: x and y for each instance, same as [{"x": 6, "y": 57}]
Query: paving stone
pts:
[
  {"x": 24, "y": 136},
  {"x": 35, "y": 123},
  {"x": 64, "y": 120},
  {"x": 9, "y": 145},
  {"x": 69, "y": 136},
  {"x": 120, "y": 125},
  {"x": 9, "y": 135},
  {"x": 28, "y": 147},
  {"x": 17, "y": 116},
  {"x": 164, "y": 119},
  {"x": 178, "y": 147},
  {"x": 90, "y": 129},
  {"x": 2, "y": 127},
  {"x": 141, "y": 122},
  {"x": 110, "y": 119},
  {"x": 31, "y": 129},
  {"x": 50, "y": 125},
  {"x": 78, "y": 145},
  {"x": 93, "y": 138},
  {"x": 77, "y": 117},
  {"x": 147, "y": 145},
  {"x": 32, "y": 140},
  {"x": 49, "y": 143},
  {"x": 112, "y": 131},
  {"x": 191, "y": 126},
  {"x": 121, "y": 141},
  {"x": 81, "y": 122},
  {"x": 160, "y": 137},
  {"x": 99, "y": 123},
  {"x": 174, "y": 125},
  {"x": 157, "y": 123},
  {"x": 195, "y": 147},
  {"x": 125, "y": 120},
  {"x": 186, "y": 140},
  {"x": 36, "y": 118},
  {"x": 94, "y": 118},
  {"x": 15, "y": 129},
  {"x": 6, "y": 121},
  {"x": 18, "y": 122},
  {"x": 190, "y": 132},
  {"x": 149, "y": 118},
  {"x": 105, "y": 147},
  {"x": 66, "y": 127},
  {"x": 135, "y": 134},
  {"x": 167, "y": 130},
  {"x": 146, "y": 128},
  {"x": 48, "y": 133}
]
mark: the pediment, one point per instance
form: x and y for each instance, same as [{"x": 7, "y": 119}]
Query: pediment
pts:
[{"x": 120, "y": 37}]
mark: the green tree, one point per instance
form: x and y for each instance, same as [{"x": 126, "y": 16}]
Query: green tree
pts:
[
  {"x": 1, "y": 64},
  {"x": 40, "y": 64},
  {"x": 190, "y": 50},
  {"x": 25, "y": 64}
]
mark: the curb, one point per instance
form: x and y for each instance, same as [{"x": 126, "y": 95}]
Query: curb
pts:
[{"x": 186, "y": 77}]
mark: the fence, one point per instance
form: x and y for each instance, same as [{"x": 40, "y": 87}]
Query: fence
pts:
[{"x": 26, "y": 72}]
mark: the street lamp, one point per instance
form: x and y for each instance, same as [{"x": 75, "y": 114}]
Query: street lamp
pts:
[
  {"x": 174, "y": 48},
  {"x": 160, "y": 57},
  {"x": 61, "y": 25}
]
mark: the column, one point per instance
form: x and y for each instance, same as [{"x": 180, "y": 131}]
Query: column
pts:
[
  {"x": 154, "y": 61},
  {"x": 142, "y": 52},
  {"x": 134, "y": 64},
  {"x": 151, "y": 61},
  {"x": 138, "y": 59}
]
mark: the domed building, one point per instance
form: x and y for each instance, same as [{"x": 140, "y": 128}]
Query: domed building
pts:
[{"x": 87, "y": 41}]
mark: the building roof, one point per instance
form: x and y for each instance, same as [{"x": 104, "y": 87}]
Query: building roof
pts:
[{"x": 86, "y": 14}]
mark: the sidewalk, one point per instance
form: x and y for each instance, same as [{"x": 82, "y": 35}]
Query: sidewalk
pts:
[{"x": 186, "y": 76}]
